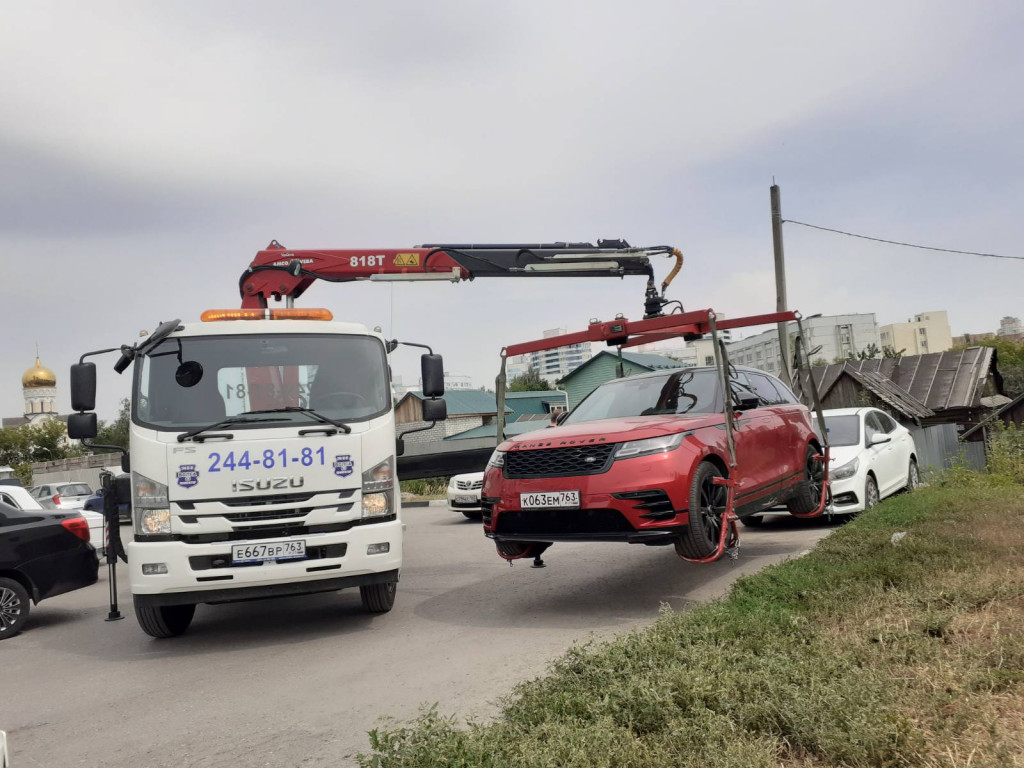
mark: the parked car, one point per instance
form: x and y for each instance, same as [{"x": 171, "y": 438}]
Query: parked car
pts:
[
  {"x": 62, "y": 495},
  {"x": 873, "y": 457},
  {"x": 95, "y": 504},
  {"x": 42, "y": 554},
  {"x": 464, "y": 494},
  {"x": 22, "y": 499},
  {"x": 637, "y": 461}
]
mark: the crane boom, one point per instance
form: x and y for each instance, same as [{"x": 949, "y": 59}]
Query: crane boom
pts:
[{"x": 277, "y": 272}]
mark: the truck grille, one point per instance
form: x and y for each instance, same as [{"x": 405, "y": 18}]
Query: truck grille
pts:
[
  {"x": 562, "y": 521},
  {"x": 469, "y": 485},
  {"x": 559, "y": 462}
]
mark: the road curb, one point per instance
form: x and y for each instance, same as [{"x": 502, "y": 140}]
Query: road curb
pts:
[{"x": 432, "y": 503}]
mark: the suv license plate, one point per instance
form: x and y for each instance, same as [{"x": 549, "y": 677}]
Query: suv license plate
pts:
[
  {"x": 268, "y": 550},
  {"x": 560, "y": 499}
]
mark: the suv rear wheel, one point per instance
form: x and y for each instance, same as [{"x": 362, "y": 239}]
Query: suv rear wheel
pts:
[
  {"x": 808, "y": 494},
  {"x": 707, "y": 505}
]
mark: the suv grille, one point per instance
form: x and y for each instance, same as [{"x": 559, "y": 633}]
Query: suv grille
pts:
[
  {"x": 546, "y": 521},
  {"x": 559, "y": 462}
]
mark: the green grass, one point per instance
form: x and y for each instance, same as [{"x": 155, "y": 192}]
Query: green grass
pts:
[{"x": 861, "y": 654}]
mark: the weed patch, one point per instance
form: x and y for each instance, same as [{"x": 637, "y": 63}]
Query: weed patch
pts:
[{"x": 863, "y": 653}]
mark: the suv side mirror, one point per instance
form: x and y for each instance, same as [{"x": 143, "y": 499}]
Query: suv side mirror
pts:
[
  {"x": 83, "y": 387},
  {"x": 432, "y": 375},
  {"x": 749, "y": 402},
  {"x": 435, "y": 409},
  {"x": 82, "y": 426}
]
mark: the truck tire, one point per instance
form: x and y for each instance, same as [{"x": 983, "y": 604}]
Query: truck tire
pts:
[
  {"x": 14, "y": 608},
  {"x": 707, "y": 503},
  {"x": 378, "y": 598},
  {"x": 808, "y": 493},
  {"x": 164, "y": 620},
  {"x": 473, "y": 515}
]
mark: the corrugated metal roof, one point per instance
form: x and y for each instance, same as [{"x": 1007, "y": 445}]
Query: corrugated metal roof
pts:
[
  {"x": 462, "y": 402},
  {"x": 491, "y": 430},
  {"x": 940, "y": 380},
  {"x": 892, "y": 394}
]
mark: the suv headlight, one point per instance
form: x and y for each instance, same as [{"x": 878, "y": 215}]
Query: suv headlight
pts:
[
  {"x": 378, "y": 489},
  {"x": 151, "y": 510},
  {"x": 662, "y": 444},
  {"x": 497, "y": 459},
  {"x": 847, "y": 470}
]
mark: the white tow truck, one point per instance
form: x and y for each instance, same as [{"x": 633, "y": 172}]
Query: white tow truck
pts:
[{"x": 263, "y": 452}]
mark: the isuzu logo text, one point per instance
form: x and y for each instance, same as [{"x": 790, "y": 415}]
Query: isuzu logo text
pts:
[{"x": 267, "y": 484}]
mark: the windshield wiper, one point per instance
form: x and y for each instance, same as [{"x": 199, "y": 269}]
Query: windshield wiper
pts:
[
  {"x": 239, "y": 419},
  {"x": 307, "y": 411}
]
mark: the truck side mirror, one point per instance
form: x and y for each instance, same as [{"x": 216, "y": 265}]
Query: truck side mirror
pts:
[
  {"x": 83, "y": 387},
  {"x": 82, "y": 426},
  {"x": 432, "y": 375},
  {"x": 435, "y": 409},
  {"x": 123, "y": 489}
]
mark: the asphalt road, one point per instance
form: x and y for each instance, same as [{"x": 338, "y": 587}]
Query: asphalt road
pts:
[{"x": 299, "y": 681}]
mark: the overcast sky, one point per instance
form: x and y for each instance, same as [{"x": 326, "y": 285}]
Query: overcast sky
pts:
[{"x": 148, "y": 150}]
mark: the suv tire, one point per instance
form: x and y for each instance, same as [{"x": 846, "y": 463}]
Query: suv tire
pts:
[
  {"x": 162, "y": 621},
  {"x": 808, "y": 493},
  {"x": 707, "y": 503}
]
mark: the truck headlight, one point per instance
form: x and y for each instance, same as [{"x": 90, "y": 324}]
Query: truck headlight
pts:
[
  {"x": 497, "y": 459},
  {"x": 152, "y": 514},
  {"x": 378, "y": 488},
  {"x": 848, "y": 470},
  {"x": 662, "y": 444}
]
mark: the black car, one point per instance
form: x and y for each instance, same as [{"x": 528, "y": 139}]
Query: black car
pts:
[{"x": 41, "y": 555}]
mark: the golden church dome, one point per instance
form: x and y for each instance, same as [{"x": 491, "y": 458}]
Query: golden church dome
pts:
[{"x": 38, "y": 376}]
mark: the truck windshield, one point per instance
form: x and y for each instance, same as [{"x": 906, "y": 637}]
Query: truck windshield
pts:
[
  {"x": 342, "y": 377},
  {"x": 676, "y": 392}
]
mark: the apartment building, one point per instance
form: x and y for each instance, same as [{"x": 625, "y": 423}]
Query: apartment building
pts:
[
  {"x": 828, "y": 337},
  {"x": 550, "y": 364},
  {"x": 924, "y": 333}
]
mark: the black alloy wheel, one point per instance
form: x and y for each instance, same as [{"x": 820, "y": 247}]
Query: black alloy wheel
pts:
[
  {"x": 14, "y": 608},
  {"x": 707, "y": 507}
]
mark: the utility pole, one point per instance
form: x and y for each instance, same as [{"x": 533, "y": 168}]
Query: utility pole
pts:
[{"x": 780, "y": 283}]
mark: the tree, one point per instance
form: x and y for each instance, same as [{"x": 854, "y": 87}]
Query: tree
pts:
[
  {"x": 29, "y": 443},
  {"x": 116, "y": 432},
  {"x": 530, "y": 381},
  {"x": 870, "y": 353},
  {"x": 891, "y": 353}
]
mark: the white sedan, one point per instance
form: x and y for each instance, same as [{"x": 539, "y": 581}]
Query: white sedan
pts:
[
  {"x": 872, "y": 457},
  {"x": 464, "y": 494},
  {"x": 20, "y": 498}
]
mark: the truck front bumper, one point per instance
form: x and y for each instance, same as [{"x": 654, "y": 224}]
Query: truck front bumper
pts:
[{"x": 190, "y": 577}]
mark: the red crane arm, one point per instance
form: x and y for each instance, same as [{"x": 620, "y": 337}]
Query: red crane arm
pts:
[{"x": 278, "y": 273}]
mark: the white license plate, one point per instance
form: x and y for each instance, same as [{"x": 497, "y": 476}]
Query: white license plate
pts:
[
  {"x": 268, "y": 550},
  {"x": 466, "y": 499},
  {"x": 562, "y": 499}
]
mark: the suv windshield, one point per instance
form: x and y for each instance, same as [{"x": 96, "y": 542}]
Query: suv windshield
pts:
[
  {"x": 676, "y": 392},
  {"x": 842, "y": 430},
  {"x": 341, "y": 377}
]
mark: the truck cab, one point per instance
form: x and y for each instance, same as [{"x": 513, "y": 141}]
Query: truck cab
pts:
[{"x": 262, "y": 465}]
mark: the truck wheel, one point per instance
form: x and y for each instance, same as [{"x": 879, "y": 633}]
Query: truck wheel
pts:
[
  {"x": 473, "y": 515},
  {"x": 164, "y": 620},
  {"x": 378, "y": 598},
  {"x": 707, "y": 505},
  {"x": 808, "y": 493},
  {"x": 14, "y": 608}
]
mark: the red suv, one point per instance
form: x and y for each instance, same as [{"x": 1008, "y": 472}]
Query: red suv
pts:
[{"x": 636, "y": 461}]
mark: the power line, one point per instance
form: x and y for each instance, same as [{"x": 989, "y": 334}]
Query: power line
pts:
[{"x": 905, "y": 245}]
